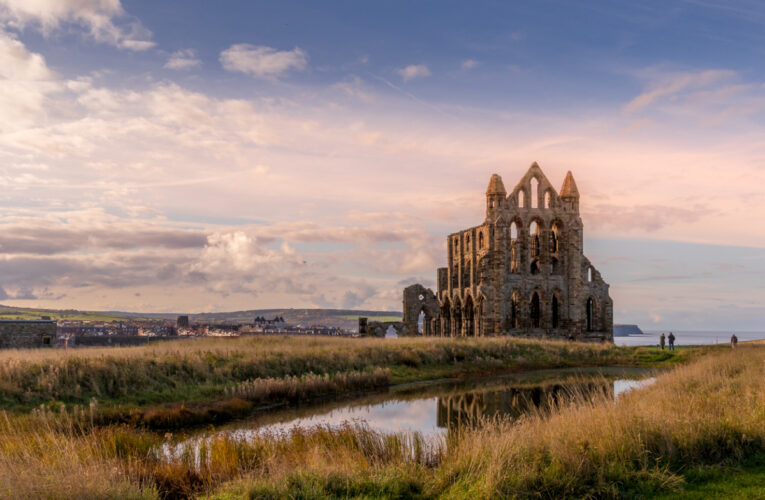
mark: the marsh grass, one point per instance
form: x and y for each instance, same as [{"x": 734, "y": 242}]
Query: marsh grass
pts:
[
  {"x": 710, "y": 413},
  {"x": 202, "y": 369},
  {"x": 241, "y": 399},
  {"x": 58, "y": 457},
  {"x": 705, "y": 415},
  {"x": 293, "y": 388}
]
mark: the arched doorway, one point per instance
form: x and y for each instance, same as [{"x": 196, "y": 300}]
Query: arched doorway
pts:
[
  {"x": 479, "y": 316},
  {"x": 469, "y": 317},
  {"x": 390, "y": 333},
  {"x": 535, "y": 311},
  {"x": 446, "y": 319},
  {"x": 555, "y": 312},
  {"x": 512, "y": 318},
  {"x": 457, "y": 319}
]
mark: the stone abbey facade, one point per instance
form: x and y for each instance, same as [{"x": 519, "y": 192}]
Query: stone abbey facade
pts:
[{"x": 522, "y": 272}]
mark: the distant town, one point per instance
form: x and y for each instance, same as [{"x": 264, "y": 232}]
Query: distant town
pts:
[{"x": 72, "y": 333}]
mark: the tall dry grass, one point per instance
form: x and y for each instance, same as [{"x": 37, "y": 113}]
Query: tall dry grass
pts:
[
  {"x": 60, "y": 458},
  {"x": 706, "y": 414},
  {"x": 200, "y": 368},
  {"x": 55, "y": 456},
  {"x": 709, "y": 412},
  {"x": 309, "y": 385}
]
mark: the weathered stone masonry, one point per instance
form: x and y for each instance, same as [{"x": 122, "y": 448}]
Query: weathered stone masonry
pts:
[
  {"x": 522, "y": 272},
  {"x": 19, "y": 334}
]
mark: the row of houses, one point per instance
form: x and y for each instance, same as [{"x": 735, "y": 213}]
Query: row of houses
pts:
[{"x": 48, "y": 332}]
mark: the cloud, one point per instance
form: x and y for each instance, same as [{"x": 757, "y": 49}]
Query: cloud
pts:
[
  {"x": 356, "y": 298},
  {"x": 670, "y": 85},
  {"x": 183, "y": 59},
  {"x": 105, "y": 20},
  {"x": 17, "y": 63},
  {"x": 414, "y": 71},
  {"x": 468, "y": 64},
  {"x": 163, "y": 190},
  {"x": 261, "y": 61},
  {"x": 26, "y": 84},
  {"x": 34, "y": 237},
  {"x": 644, "y": 218}
]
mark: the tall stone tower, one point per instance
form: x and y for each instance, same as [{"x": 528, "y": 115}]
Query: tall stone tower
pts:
[{"x": 522, "y": 272}]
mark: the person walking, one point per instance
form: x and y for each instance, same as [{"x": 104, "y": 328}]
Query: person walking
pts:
[
  {"x": 733, "y": 341},
  {"x": 671, "y": 339},
  {"x": 662, "y": 340}
]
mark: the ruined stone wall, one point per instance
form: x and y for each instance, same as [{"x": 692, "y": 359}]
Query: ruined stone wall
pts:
[
  {"x": 420, "y": 300},
  {"x": 380, "y": 328},
  {"x": 20, "y": 334},
  {"x": 522, "y": 271}
]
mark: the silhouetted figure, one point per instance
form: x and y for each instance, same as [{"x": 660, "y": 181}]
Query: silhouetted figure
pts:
[
  {"x": 671, "y": 339},
  {"x": 662, "y": 340},
  {"x": 733, "y": 341}
]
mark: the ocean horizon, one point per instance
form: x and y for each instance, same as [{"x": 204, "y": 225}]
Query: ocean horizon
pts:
[{"x": 687, "y": 337}]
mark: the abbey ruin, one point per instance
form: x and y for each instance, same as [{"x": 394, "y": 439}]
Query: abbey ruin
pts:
[{"x": 522, "y": 272}]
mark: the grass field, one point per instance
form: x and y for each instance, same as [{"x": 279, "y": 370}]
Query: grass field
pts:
[
  {"x": 194, "y": 370},
  {"x": 372, "y": 318},
  {"x": 744, "y": 481},
  {"x": 698, "y": 431},
  {"x": 61, "y": 315}
]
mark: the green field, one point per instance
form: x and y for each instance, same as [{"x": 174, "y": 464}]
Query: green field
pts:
[
  {"x": 341, "y": 318},
  {"x": 25, "y": 313},
  {"x": 356, "y": 317},
  {"x": 202, "y": 369},
  {"x": 61, "y": 315}
]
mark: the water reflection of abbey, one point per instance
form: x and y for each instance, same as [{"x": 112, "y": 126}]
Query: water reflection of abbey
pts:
[{"x": 470, "y": 408}]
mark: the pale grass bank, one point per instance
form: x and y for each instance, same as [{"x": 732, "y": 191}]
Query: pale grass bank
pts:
[{"x": 708, "y": 413}]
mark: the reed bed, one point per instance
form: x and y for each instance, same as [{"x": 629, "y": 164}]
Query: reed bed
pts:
[
  {"x": 191, "y": 369},
  {"x": 58, "y": 457},
  {"x": 291, "y": 388}
]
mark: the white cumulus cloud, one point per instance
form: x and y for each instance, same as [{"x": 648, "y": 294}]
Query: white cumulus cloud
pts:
[
  {"x": 17, "y": 63},
  {"x": 183, "y": 59},
  {"x": 261, "y": 61},
  {"x": 105, "y": 20},
  {"x": 26, "y": 82},
  {"x": 414, "y": 71}
]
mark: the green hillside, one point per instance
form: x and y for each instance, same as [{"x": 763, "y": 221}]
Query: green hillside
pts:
[
  {"x": 8, "y": 312},
  {"x": 341, "y": 318}
]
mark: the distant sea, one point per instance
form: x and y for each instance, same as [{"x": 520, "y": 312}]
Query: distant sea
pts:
[{"x": 688, "y": 338}]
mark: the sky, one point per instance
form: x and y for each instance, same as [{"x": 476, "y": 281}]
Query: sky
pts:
[{"x": 190, "y": 156}]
